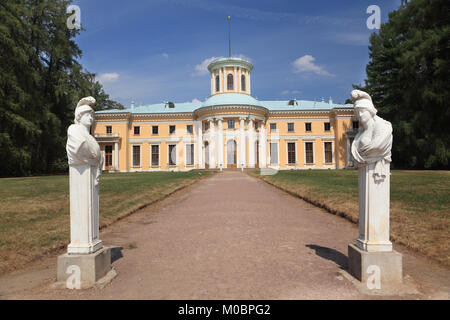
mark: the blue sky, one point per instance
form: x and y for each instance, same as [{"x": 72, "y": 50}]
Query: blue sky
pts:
[{"x": 151, "y": 51}]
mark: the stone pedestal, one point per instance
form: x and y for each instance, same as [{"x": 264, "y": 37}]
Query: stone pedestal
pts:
[
  {"x": 89, "y": 267},
  {"x": 84, "y": 216},
  {"x": 363, "y": 264},
  {"x": 373, "y": 194},
  {"x": 373, "y": 252}
]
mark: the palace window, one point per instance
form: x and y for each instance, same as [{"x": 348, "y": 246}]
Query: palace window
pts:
[
  {"x": 355, "y": 125},
  {"x": 273, "y": 127},
  {"x": 291, "y": 152},
  {"x": 309, "y": 154},
  {"x": 291, "y": 127},
  {"x": 136, "y": 156},
  {"x": 172, "y": 155},
  {"x": 155, "y": 155},
  {"x": 190, "y": 154},
  {"x": 137, "y": 130},
  {"x": 206, "y": 125},
  {"x": 308, "y": 126},
  {"x": 328, "y": 152},
  {"x": 242, "y": 83},
  {"x": 274, "y": 153},
  {"x": 189, "y": 129},
  {"x": 230, "y": 124},
  {"x": 172, "y": 129},
  {"x": 327, "y": 126},
  {"x": 154, "y": 129},
  {"x": 108, "y": 129},
  {"x": 256, "y": 125},
  {"x": 217, "y": 83},
  {"x": 230, "y": 81}
]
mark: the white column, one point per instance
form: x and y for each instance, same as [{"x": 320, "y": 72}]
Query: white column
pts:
[
  {"x": 212, "y": 83},
  {"x": 248, "y": 83},
  {"x": 235, "y": 80},
  {"x": 212, "y": 144},
  {"x": 116, "y": 156},
  {"x": 373, "y": 194},
  {"x": 239, "y": 79},
  {"x": 199, "y": 145},
  {"x": 262, "y": 145},
  {"x": 224, "y": 73},
  {"x": 221, "y": 79},
  {"x": 251, "y": 143},
  {"x": 220, "y": 143},
  {"x": 242, "y": 142}
]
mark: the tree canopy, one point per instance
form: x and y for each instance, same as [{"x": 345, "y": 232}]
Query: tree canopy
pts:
[
  {"x": 41, "y": 82},
  {"x": 408, "y": 77}
]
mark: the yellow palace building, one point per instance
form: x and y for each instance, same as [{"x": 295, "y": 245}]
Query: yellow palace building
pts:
[{"x": 230, "y": 129}]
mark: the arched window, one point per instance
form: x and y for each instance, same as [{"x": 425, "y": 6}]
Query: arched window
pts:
[
  {"x": 217, "y": 83},
  {"x": 242, "y": 83},
  {"x": 230, "y": 81}
]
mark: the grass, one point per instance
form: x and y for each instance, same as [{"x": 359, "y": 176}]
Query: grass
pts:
[
  {"x": 420, "y": 203},
  {"x": 34, "y": 211}
]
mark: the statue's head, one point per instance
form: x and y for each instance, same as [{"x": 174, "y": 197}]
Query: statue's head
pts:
[
  {"x": 364, "y": 108},
  {"x": 84, "y": 114}
]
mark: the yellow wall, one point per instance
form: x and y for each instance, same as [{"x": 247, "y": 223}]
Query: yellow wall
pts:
[{"x": 339, "y": 124}]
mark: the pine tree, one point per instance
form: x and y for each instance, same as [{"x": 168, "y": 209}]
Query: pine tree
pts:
[
  {"x": 408, "y": 79},
  {"x": 41, "y": 81}
]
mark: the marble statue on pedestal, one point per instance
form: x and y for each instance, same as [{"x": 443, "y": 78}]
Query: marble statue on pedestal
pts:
[
  {"x": 371, "y": 151},
  {"x": 85, "y": 165}
]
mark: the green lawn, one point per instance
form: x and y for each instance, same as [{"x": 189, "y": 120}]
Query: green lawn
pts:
[
  {"x": 420, "y": 203},
  {"x": 34, "y": 211}
]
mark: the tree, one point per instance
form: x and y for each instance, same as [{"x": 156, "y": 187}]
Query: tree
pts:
[
  {"x": 408, "y": 79},
  {"x": 40, "y": 83}
]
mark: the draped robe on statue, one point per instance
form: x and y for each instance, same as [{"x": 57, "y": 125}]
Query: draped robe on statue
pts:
[
  {"x": 377, "y": 142},
  {"x": 83, "y": 149}
]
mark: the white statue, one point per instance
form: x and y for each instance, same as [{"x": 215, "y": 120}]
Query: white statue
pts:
[
  {"x": 373, "y": 143},
  {"x": 81, "y": 147},
  {"x": 371, "y": 149},
  {"x": 85, "y": 167}
]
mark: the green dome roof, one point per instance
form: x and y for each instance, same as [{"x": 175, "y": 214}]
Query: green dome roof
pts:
[{"x": 231, "y": 99}]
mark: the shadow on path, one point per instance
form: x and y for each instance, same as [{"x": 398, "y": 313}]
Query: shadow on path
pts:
[
  {"x": 116, "y": 253},
  {"x": 330, "y": 254}
]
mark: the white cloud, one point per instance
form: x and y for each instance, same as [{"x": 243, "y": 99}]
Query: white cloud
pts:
[
  {"x": 306, "y": 64},
  {"x": 202, "y": 68},
  {"x": 165, "y": 55},
  {"x": 195, "y": 100},
  {"x": 285, "y": 92},
  {"x": 108, "y": 77}
]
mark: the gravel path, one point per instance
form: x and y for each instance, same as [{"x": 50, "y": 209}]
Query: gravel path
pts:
[{"x": 230, "y": 236}]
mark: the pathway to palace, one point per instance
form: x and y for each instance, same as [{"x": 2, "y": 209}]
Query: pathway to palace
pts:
[{"x": 230, "y": 236}]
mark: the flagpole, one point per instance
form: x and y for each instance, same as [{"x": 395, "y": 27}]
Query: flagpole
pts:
[{"x": 229, "y": 36}]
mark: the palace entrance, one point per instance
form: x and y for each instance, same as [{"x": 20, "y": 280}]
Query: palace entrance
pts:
[{"x": 231, "y": 154}]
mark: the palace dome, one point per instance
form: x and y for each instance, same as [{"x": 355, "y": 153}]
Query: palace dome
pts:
[{"x": 224, "y": 99}]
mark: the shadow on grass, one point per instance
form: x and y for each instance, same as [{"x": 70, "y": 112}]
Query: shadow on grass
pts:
[{"x": 330, "y": 254}]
